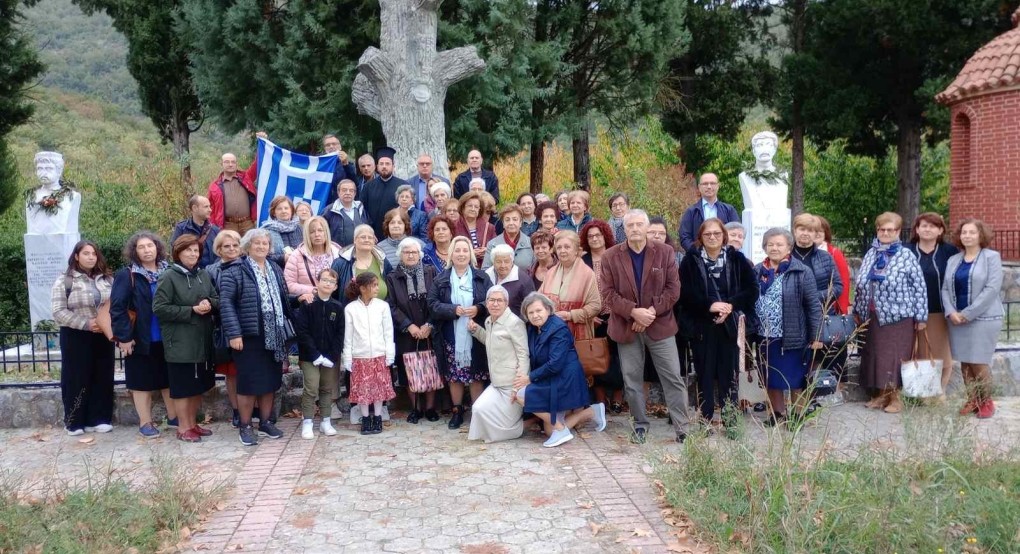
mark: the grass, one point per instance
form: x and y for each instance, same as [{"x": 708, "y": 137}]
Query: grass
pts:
[
  {"x": 31, "y": 373},
  {"x": 106, "y": 513},
  {"x": 936, "y": 493}
]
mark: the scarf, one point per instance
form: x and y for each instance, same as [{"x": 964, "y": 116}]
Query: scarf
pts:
[
  {"x": 415, "y": 280},
  {"x": 272, "y": 310},
  {"x": 883, "y": 254},
  {"x": 511, "y": 243},
  {"x": 462, "y": 294},
  {"x": 714, "y": 267},
  {"x": 282, "y": 226},
  {"x": 150, "y": 276},
  {"x": 768, "y": 274}
]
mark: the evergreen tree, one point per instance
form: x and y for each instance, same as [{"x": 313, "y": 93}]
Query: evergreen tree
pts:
[
  {"x": 615, "y": 60},
  {"x": 723, "y": 73},
  {"x": 870, "y": 68},
  {"x": 158, "y": 60},
  {"x": 19, "y": 66}
]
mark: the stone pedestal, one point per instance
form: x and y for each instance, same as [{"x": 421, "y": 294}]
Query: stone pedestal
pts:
[
  {"x": 45, "y": 260},
  {"x": 756, "y": 223}
]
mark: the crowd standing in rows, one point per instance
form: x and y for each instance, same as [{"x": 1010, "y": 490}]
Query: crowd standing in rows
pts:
[{"x": 399, "y": 278}]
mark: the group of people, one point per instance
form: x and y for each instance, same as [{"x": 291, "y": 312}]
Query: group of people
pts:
[{"x": 395, "y": 274}]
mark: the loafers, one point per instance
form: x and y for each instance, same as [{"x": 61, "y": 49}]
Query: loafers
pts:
[
  {"x": 432, "y": 415},
  {"x": 414, "y": 417},
  {"x": 148, "y": 431},
  {"x": 456, "y": 417},
  {"x": 202, "y": 431},
  {"x": 189, "y": 436}
]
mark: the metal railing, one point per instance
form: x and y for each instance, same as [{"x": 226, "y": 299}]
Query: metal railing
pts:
[
  {"x": 27, "y": 357},
  {"x": 1010, "y": 332}
]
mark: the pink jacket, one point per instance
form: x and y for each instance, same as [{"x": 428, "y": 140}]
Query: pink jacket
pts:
[{"x": 299, "y": 274}]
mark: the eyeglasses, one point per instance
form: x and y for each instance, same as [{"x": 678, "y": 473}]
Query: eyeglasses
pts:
[
  {"x": 594, "y": 236},
  {"x": 464, "y": 288},
  {"x": 328, "y": 280},
  {"x": 412, "y": 253},
  {"x": 715, "y": 234},
  {"x": 496, "y": 300},
  {"x": 888, "y": 230}
]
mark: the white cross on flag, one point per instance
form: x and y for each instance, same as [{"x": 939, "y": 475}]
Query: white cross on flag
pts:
[{"x": 296, "y": 176}]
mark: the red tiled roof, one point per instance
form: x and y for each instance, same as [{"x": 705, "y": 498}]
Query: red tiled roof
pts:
[{"x": 995, "y": 65}]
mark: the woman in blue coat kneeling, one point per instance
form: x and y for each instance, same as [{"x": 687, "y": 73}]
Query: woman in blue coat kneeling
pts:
[{"x": 555, "y": 390}]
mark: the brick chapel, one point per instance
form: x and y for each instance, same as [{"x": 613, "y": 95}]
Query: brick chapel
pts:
[{"x": 984, "y": 102}]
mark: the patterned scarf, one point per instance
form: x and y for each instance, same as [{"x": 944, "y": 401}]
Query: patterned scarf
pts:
[
  {"x": 282, "y": 226},
  {"x": 714, "y": 267},
  {"x": 150, "y": 276},
  {"x": 272, "y": 310},
  {"x": 462, "y": 294},
  {"x": 883, "y": 254},
  {"x": 768, "y": 274},
  {"x": 415, "y": 280}
]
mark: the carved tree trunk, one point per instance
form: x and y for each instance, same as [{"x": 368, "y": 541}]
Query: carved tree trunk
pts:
[{"x": 404, "y": 85}]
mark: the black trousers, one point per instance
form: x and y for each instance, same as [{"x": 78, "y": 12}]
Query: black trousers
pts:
[
  {"x": 86, "y": 378},
  {"x": 715, "y": 361}
]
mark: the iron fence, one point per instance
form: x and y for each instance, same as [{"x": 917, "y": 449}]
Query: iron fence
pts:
[
  {"x": 1006, "y": 242},
  {"x": 32, "y": 358}
]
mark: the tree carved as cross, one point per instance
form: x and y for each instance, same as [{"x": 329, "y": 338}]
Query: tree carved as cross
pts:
[{"x": 404, "y": 85}]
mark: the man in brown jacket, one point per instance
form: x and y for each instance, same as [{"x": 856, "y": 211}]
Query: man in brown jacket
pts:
[{"x": 640, "y": 285}]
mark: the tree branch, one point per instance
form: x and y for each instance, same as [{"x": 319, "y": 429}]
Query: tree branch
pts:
[
  {"x": 366, "y": 97},
  {"x": 376, "y": 66},
  {"x": 456, "y": 65}
]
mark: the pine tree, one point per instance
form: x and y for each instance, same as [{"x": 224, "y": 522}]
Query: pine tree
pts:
[
  {"x": 19, "y": 67},
  {"x": 158, "y": 60}
]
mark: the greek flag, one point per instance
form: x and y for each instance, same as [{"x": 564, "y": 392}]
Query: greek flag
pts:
[{"x": 296, "y": 176}]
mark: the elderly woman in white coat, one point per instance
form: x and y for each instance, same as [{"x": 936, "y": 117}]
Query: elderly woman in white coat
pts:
[{"x": 495, "y": 416}]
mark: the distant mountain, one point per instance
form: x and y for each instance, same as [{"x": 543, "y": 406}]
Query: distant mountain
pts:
[{"x": 83, "y": 54}]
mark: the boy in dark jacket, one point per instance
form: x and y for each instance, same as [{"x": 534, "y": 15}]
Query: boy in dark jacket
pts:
[{"x": 320, "y": 330}]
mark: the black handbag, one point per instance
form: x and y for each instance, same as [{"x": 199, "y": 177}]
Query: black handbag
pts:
[
  {"x": 837, "y": 329},
  {"x": 823, "y": 381}
]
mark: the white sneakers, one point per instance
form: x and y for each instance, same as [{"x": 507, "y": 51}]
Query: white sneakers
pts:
[
  {"x": 558, "y": 437},
  {"x": 75, "y": 432},
  {"x": 104, "y": 428},
  {"x": 600, "y": 416},
  {"x": 326, "y": 427}
]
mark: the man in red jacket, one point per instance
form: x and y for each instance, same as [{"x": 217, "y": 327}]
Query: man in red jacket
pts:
[
  {"x": 232, "y": 196},
  {"x": 640, "y": 284}
]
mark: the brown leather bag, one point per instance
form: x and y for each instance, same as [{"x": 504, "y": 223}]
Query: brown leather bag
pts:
[{"x": 593, "y": 353}]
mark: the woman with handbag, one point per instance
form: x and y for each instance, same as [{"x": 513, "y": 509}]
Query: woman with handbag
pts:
[
  {"x": 409, "y": 284},
  {"x": 572, "y": 286},
  {"x": 927, "y": 242},
  {"x": 892, "y": 299},
  {"x": 185, "y": 302},
  {"x": 316, "y": 252},
  {"x": 789, "y": 316},
  {"x": 716, "y": 282},
  {"x": 256, "y": 322},
  {"x": 136, "y": 329},
  {"x": 597, "y": 237},
  {"x": 555, "y": 390},
  {"x": 86, "y": 378},
  {"x": 228, "y": 247},
  {"x": 456, "y": 296},
  {"x": 970, "y": 295},
  {"x": 494, "y": 415}
]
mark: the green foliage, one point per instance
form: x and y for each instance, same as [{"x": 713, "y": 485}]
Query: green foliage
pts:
[
  {"x": 82, "y": 53},
  {"x": 723, "y": 73},
  {"x": 107, "y": 513},
  {"x": 158, "y": 60},
  {"x": 931, "y": 495},
  {"x": 19, "y": 66},
  {"x": 9, "y": 189}
]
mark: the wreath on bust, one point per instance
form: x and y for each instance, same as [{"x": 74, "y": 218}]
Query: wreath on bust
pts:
[
  {"x": 770, "y": 176},
  {"x": 50, "y": 204}
]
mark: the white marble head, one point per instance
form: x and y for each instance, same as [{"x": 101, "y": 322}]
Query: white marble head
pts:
[
  {"x": 49, "y": 166},
  {"x": 764, "y": 146}
]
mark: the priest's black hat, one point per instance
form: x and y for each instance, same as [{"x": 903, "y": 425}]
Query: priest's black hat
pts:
[{"x": 384, "y": 152}]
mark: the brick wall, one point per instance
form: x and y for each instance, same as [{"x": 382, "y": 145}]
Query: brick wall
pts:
[{"x": 985, "y": 160}]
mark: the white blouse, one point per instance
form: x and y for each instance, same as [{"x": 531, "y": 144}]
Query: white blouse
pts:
[{"x": 368, "y": 332}]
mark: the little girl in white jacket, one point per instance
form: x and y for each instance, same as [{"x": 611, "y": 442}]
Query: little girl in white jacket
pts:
[{"x": 369, "y": 350}]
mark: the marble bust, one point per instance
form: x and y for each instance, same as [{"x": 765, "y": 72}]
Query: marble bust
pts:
[
  {"x": 764, "y": 188},
  {"x": 53, "y": 207}
]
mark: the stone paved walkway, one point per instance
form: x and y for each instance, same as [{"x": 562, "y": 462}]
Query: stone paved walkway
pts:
[{"x": 425, "y": 488}]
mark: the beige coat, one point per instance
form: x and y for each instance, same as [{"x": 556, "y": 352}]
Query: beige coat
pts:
[{"x": 506, "y": 342}]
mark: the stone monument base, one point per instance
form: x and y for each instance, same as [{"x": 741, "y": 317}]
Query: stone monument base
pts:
[
  {"x": 45, "y": 259},
  {"x": 756, "y": 223}
]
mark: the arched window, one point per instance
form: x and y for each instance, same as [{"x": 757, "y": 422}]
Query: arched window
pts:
[{"x": 961, "y": 151}]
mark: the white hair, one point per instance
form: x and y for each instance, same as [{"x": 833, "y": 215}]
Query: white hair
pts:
[
  {"x": 476, "y": 180},
  {"x": 440, "y": 186},
  {"x": 501, "y": 250},
  {"x": 497, "y": 289},
  {"x": 631, "y": 214},
  {"x": 766, "y": 135},
  {"x": 405, "y": 188},
  {"x": 409, "y": 242}
]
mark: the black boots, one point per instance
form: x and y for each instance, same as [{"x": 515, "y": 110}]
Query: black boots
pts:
[
  {"x": 366, "y": 425},
  {"x": 376, "y": 424},
  {"x": 457, "y": 417}
]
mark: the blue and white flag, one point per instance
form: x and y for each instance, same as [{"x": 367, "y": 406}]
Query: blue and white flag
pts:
[{"x": 296, "y": 176}]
